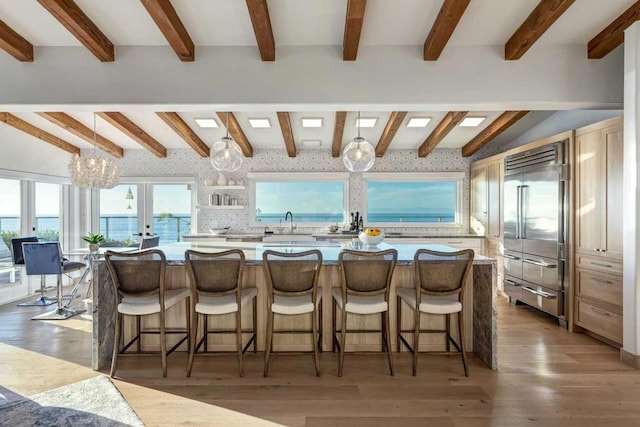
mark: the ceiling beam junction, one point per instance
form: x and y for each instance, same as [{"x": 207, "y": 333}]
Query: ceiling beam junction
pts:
[
  {"x": 169, "y": 23},
  {"x": 613, "y": 35},
  {"x": 498, "y": 126},
  {"x": 133, "y": 131},
  {"x": 446, "y": 125},
  {"x": 443, "y": 27},
  {"x": 82, "y": 27}
]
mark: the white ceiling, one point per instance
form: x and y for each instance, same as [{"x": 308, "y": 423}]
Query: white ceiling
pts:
[{"x": 300, "y": 23}]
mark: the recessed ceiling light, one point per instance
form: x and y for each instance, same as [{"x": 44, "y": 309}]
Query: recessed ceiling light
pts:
[
  {"x": 312, "y": 122},
  {"x": 311, "y": 143},
  {"x": 260, "y": 123},
  {"x": 471, "y": 121},
  {"x": 365, "y": 122},
  {"x": 418, "y": 122},
  {"x": 207, "y": 123}
]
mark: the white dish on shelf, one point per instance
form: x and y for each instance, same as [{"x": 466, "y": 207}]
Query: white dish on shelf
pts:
[{"x": 218, "y": 231}]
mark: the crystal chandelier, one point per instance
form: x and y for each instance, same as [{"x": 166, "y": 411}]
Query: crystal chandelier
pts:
[
  {"x": 359, "y": 155},
  {"x": 94, "y": 171},
  {"x": 225, "y": 154}
]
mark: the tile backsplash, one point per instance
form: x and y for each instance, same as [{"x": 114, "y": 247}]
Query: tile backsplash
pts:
[{"x": 184, "y": 162}]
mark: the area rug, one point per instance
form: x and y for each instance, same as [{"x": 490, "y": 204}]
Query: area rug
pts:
[{"x": 92, "y": 402}]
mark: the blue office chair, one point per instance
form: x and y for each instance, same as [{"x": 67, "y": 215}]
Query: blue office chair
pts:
[
  {"x": 18, "y": 260},
  {"x": 44, "y": 259}
]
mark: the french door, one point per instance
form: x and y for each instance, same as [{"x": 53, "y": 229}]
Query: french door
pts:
[{"x": 134, "y": 210}]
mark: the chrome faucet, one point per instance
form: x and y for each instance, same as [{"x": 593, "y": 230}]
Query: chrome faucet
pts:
[{"x": 289, "y": 216}]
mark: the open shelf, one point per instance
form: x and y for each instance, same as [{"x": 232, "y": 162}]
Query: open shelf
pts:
[
  {"x": 225, "y": 187},
  {"x": 219, "y": 207}
]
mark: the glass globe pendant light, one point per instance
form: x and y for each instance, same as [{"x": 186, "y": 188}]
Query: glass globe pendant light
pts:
[
  {"x": 225, "y": 154},
  {"x": 359, "y": 155}
]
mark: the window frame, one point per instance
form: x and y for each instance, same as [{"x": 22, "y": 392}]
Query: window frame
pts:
[
  {"x": 321, "y": 177},
  {"x": 426, "y": 177}
]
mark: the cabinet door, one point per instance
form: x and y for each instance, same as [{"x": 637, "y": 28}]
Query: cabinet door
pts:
[
  {"x": 479, "y": 199},
  {"x": 494, "y": 200},
  {"x": 590, "y": 202},
  {"x": 613, "y": 232}
]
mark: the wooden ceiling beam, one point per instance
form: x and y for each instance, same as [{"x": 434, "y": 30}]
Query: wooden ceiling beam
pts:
[
  {"x": 14, "y": 44},
  {"x": 443, "y": 27},
  {"x": 175, "y": 122},
  {"x": 169, "y": 23},
  {"x": 287, "y": 133},
  {"x": 538, "y": 21},
  {"x": 395, "y": 120},
  {"x": 73, "y": 126},
  {"x": 353, "y": 28},
  {"x": 446, "y": 125},
  {"x": 133, "y": 131},
  {"x": 338, "y": 132},
  {"x": 236, "y": 132},
  {"x": 32, "y": 130},
  {"x": 74, "y": 19},
  {"x": 498, "y": 126},
  {"x": 259, "y": 13},
  {"x": 613, "y": 35}
]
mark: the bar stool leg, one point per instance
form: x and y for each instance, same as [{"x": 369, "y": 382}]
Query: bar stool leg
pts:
[
  {"x": 239, "y": 341},
  {"x": 255, "y": 324},
  {"x": 116, "y": 344},
  {"x": 316, "y": 358},
  {"x": 343, "y": 339},
  {"x": 387, "y": 334},
  {"x": 138, "y": 335},
  {"x": 398, "y": 323},
  {"x": 268, "y": 342},
  {"x": 163, "y": 345},
  {"x": 383, "y": 329},
  {"x": 195, "y": 317},
  {"x": 320, "y": 321},
  {"x": 448, "y": 328},
  {"x": 462, "y": 344},
  {"x": 188, "y": 321},
  {"x": 416, "y": 339},
  {"x": 333, "y": 325}
]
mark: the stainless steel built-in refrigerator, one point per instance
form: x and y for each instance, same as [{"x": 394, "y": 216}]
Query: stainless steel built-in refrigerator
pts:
[{"x": 536, "y": 190}]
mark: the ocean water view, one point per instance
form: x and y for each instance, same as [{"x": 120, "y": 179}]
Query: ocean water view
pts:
[{"x": 120, "y": 228}]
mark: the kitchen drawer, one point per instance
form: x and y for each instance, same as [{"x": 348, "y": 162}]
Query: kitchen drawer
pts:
[
  {"x": 512, "y": 287},
  {"x": 607, "y": 265},
  {"x": 512, "y": 262},
  {"x": 542, "y": 270},
  {"x": 477, "y": 244},
  {"x": 544, "y": 299},
  {"x": 603, "y": 321},
  {"x": 600, "y": 286}
]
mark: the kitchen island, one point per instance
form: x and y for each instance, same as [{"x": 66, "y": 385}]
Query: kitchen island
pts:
[{"x": 479, "y": 301}]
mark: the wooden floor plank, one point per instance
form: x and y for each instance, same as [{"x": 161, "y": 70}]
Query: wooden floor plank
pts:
[{"x": 546, "y": 377}]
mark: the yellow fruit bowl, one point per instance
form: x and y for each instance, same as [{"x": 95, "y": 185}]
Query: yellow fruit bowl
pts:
[{"x": 371, "y": 240}]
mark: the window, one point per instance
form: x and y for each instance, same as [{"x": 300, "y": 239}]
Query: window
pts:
[
  {"x": 47, "y": 206},
  {"x": 415, "y": 199},
  {"x": 314, "y": 199}
]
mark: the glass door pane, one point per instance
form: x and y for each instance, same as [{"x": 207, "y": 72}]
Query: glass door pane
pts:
[
  {"x": 171, "y": 212},
  {"x": 9, "y": 228},
  {"x": 47, "y": 209},
  {"x": 119, "y": 214}
]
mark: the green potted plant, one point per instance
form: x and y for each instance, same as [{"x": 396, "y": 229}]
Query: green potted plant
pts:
[{"x": 94, "y": 240}]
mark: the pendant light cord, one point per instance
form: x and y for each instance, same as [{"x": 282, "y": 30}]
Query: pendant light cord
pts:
[{"x": 359, "y": 124}]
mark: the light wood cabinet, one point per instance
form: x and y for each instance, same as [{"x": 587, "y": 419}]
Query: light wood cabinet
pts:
[
  {"x": 599, "y": 190},
  {"x": 598, "y": 219}
]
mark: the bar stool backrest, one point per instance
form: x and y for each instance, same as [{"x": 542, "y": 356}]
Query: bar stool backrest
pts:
[
  {"x": 367, "y": 273},
  {"x": 42, "y": 258},
  {"x": 17, "y": 254},
  {"x": 137, "y": 273},
  {"x": 149, "y": 242},
  {"x": 217, "y": 273},
  {"x": 292, "y": 273},
  {"x": 442, "y": 273}
]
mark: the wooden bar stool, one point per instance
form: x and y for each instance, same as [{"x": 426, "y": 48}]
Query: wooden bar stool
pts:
[
  {"x": 440, "y": 279},
  {"x": 139, "y": 282},
  {"x": 217, "y": 290},
  {"x": 292, "y": 285},
  {"x": 366, "y": 282}
]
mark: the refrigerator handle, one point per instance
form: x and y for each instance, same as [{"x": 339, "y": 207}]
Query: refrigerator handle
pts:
[
  {"x": 523, "y": 210},
  {"x": 518, "y": 205}
]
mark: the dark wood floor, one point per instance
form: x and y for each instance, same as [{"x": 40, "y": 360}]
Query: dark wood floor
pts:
[{"x": 547, "y": 377}]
